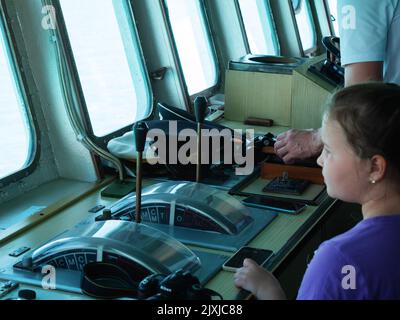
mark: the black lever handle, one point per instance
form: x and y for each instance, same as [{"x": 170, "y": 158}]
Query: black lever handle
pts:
[
  {"x": 200, "y": 109},
  {"x": 141, "y": 130}
]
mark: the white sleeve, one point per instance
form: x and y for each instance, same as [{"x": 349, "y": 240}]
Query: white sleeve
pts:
[{"x": 364, "y": 28}]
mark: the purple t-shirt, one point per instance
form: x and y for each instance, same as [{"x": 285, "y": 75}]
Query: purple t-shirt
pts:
[{"x": 361, "y": 264}]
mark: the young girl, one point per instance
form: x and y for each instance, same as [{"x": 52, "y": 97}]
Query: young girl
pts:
[{"x": 361, "y": 164}]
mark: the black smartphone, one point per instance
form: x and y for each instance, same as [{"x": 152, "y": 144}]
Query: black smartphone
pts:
[
  {"x": 274, "y": 204},
  {"x": 235, "y": 262}
]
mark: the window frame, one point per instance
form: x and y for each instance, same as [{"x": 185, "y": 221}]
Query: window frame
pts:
[
  {"x": 189, "y": 99},
  {"x": 329, "y": 17},
  {"x": 103, "y": 141},
  {"x": 313, "y": 24},
  {"x": 243, "y": 27},
  {"x": 21, "y": 83}
]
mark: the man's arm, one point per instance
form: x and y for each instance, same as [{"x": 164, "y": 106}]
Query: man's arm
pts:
[
  {"x": 302, "y": 144},
  {"x": 363, "y": 72}
]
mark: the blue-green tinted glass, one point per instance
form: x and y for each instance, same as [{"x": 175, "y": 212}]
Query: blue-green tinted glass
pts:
[
  {"x": 108, "y": 62},
  {"x": 332, "y": 4},
  {"x": 260, "y": 30},
  {"x": 305, "y": 23},
  {"x": 193, "y": 44},
  {"x": 15, "y": 132}
]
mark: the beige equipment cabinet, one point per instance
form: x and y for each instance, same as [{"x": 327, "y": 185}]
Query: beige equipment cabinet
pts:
[{"x": 277, "y": 88}]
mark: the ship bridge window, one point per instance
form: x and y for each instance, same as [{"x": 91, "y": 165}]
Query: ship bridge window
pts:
[
  {"x": 305, "y": 24},
  {"x": 16, "y": 129},
  {"x": 332, "y": 6},
  {"x": 108, "y": 60},
  {"x": 259, "y": 27},
  {"x": 191, "y": 35}
]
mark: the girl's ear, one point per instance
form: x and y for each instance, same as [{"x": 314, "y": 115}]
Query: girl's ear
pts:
[{"x": 378, "y": 168}]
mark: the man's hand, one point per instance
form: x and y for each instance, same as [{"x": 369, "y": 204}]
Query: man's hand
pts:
[{"x": 298, "y": 145}]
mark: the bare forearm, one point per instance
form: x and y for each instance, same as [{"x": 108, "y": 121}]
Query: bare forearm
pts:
[{"x": 363, "y": 72}]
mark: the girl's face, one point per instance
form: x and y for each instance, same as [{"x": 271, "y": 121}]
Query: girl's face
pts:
[{"x": 346, "y": 175}]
